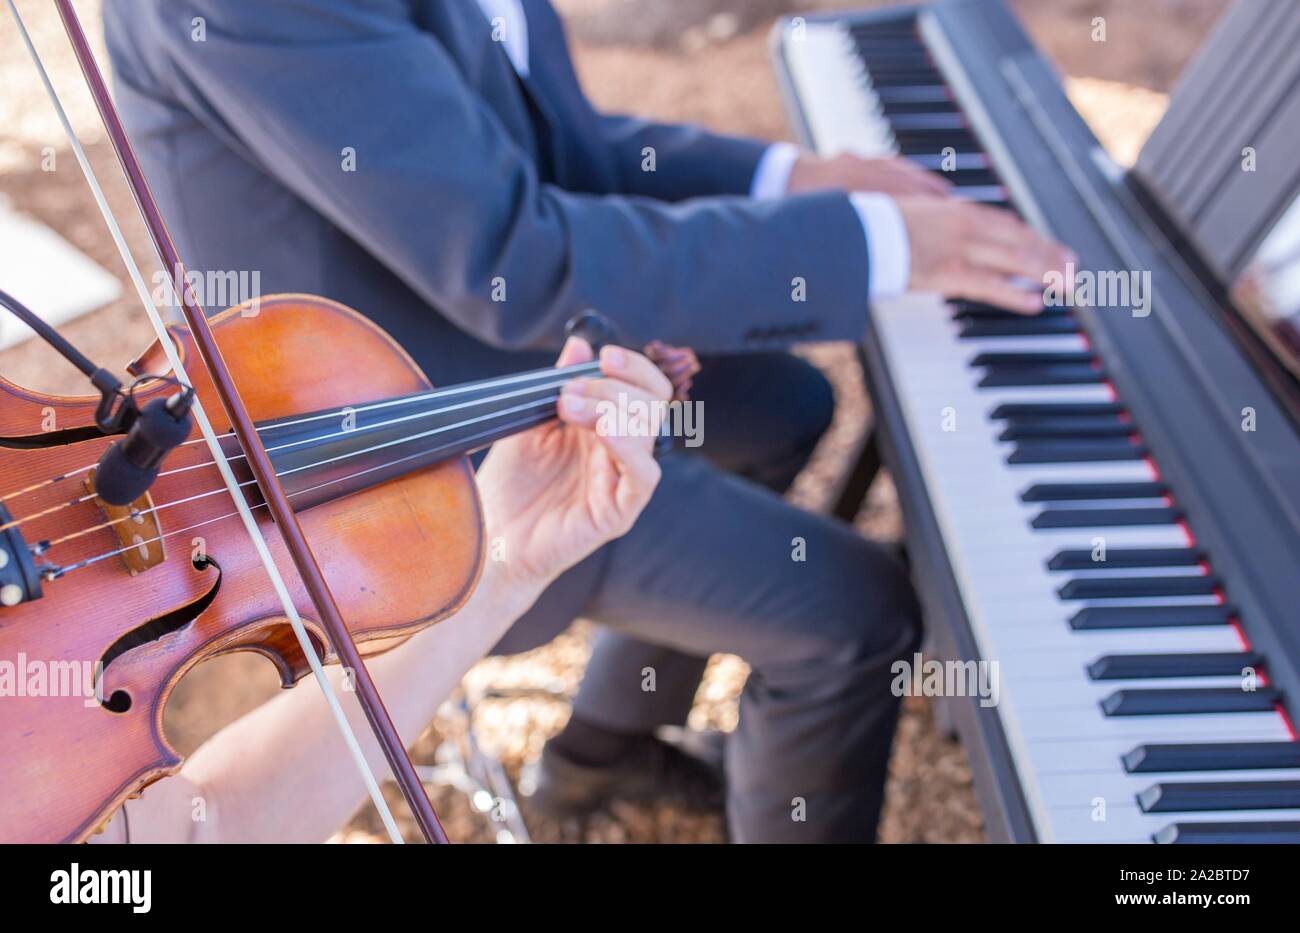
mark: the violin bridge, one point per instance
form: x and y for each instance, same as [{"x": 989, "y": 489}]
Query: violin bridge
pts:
[{"x": 137, "y": 528}]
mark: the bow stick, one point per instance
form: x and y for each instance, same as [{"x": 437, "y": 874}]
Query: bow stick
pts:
[{"x": 278, "y": 504}]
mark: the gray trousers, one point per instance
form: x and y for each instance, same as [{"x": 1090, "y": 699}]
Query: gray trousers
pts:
[{"x": 719, "y": 562}]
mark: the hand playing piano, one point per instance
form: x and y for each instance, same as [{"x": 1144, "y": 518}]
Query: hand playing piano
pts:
[
  {"x": 892, "y": 176},
  {"x": 980, "y": 253}
]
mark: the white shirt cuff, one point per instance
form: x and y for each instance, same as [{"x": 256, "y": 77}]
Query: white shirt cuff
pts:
[
  {"x": 772, "y": 174},
  {"x": 888, "y": 253}
]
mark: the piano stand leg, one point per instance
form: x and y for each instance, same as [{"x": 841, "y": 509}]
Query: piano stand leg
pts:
[
  {"x": 855, "y": 486},
  {"x": 945, "y": 722},
  {"x": 858, "y": 482}
]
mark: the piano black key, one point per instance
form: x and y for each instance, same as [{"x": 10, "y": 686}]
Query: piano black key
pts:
[
  {"x": 1096, "y": 450},
  {"x": 1037, "y": 326},
  {"x": 893, "y": 34},
  {"x": 1189, "y": 701},
  {"x": 1107, "y": 426},
  {"x": 912, "y": 141},
  {"x": 880, "y": 54},
  {"x": 1066, "y": 492},
  {"x": 1191, "y": 664},
  {"x": 1263, "y": 832},
  {"x": 1092, "y": 618},
  {"x": 917, "y": 106},
  {"x": 1211, "y": 756},
  {"x": 935, "y": 161},
  {"x": 1137, "y": 587},
  {"x": 901, "y": 26},
  {"x": 1105, "y": 518},
  {"x": 884, "y": 57},
  {"x": 904, "y": 74},
  {"x": 1081, "y": 559},
  {"x": 1175, "y": 797},
  {"x": 974, "y": 309},
  {"x": 1063, "y": 374},
  {"x": 917, "y": 94},
  {"x": 1017, "y": 409},
  {"x": 887, "y": 38},
  {"x": 1031, "y": 358},
  {"x": 969, "y": 176},
  {"x": 878, "y": 44},
  {"x": 903, "y": 122}
]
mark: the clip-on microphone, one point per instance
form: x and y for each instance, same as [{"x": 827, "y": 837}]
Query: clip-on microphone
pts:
[{"x": 129, "y": 466}]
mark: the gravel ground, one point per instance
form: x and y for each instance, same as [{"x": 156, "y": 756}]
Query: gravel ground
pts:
[{"x": 699, "y": 60}]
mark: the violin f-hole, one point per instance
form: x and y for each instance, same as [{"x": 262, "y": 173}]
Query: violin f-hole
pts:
[{"x": 155, "y": 629}]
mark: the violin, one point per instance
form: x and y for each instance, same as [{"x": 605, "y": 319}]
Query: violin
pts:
[
  {"x": 374, "y": 462},
  {"x": 319, "y": 444}
]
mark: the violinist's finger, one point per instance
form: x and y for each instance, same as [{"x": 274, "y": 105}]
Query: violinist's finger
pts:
[
  {"x": 576, "y": 350},
  {"x": 609, "y": 406},
  {"x": 620, "y": 363},
  {"x": 639, "y": 474},
  {"x": 618, "y": 413}
]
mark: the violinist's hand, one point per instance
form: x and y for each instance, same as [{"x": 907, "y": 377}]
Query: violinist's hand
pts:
[{"x": 554, "y": 494}]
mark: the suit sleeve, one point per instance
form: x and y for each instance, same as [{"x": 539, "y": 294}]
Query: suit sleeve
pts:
[
  {"x": 366, "y": 118},
  {"x": 689, "y": 162}
]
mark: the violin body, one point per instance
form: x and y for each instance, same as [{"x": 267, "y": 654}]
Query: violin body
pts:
[{"x": 398, "y": 556}]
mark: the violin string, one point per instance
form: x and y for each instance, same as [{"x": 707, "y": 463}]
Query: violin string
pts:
[
  {"x": 44, "y": 512},
  {"x": 530, "y": 421},
  {"x": 214, "y": 446},
  {"x": 433, "y": 412},
  {"x": 42, "y": 484},
  {"x": 548, "y": 401},
  {"x": 15, "y": 523},
  {"x": 565, "y": 374}
]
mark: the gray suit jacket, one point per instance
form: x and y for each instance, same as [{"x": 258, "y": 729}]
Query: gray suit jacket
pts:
[{"x": 468, "y": 181}]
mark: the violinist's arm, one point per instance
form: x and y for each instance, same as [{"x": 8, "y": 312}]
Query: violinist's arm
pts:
[
  {"x": 282, "y": 772},
  {"x": 553, "y": 495}
]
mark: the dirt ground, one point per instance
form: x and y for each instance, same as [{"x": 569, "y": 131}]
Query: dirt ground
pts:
[{"x": 699, "y": 60}]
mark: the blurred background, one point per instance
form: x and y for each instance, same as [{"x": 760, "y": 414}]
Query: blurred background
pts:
[{"x": 703, "y": 61}]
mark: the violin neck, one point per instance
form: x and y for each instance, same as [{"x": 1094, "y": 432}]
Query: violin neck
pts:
[{"x": 329, "y": 454}]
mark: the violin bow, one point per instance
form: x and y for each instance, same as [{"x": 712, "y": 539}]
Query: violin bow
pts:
[{"x": 286, "y": 520}]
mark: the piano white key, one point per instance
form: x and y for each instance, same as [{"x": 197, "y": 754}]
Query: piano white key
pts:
[
  {"x": 1102, "y": 570},
  {"x": 1048, "y": 343},
  {"x": 1042, "y": 689},
  {"x": 1033, "y": 676},
  {"x": 1023, "y": 643},
  {"x": 1120, "y": 790},
  {"x": 1086, "y": 721},
  {"x": 1065, "y": 749},
  {"x": 1048, "y": 704},
  {"x": 841, "y": 112},
  {"x": 1127, "y": 824},
  {"x": 979, "y": 193}
]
